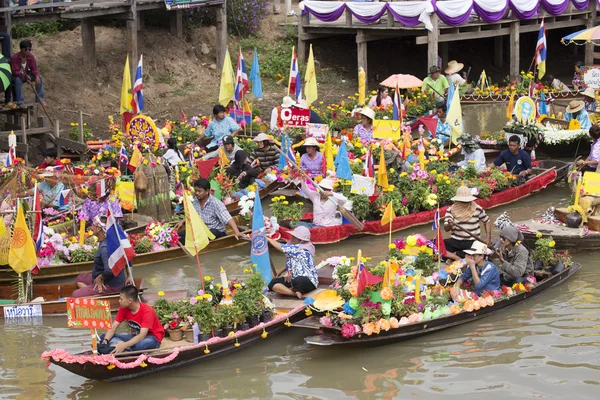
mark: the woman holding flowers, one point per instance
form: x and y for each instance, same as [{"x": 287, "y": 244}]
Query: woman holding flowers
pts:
[{"x": 515, "y": 264}]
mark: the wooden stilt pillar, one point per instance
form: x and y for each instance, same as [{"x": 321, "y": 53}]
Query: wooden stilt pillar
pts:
[
  {"x": 361, "y": 51},
  {"x": 301, "y": 41},
  {"x": 221, "y": 35},
  {"x": 88, "y": 39},
  {"x": 141, "y": 27},
  {"x": 444, "y": 54},
  {"x": 432, "y": 45},
  {"x": 590, "y": 23},
  {"x": 498, "y": 52},
  {"x": 132, "y": 38},
  {"x": 6, "y": 23},
  {"x": 514, "y": 49},
  {"x": 176, "y": 23}
]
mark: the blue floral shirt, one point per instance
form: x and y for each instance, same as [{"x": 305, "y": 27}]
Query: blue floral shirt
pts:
[
  {"x": 217, "y": 130},
  {"x": 443, "y": 130},
  {"x": 300, "y": 262}
]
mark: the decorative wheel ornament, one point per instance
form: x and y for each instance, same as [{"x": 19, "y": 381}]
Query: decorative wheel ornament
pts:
[{"x": 142, "y": 128}]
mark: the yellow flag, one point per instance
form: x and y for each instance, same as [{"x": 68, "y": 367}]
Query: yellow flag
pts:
[
  {"x": 310, "y": 78},
  {"x": 390, "y": 274},
  {"x": 454, "y": 118},
  {"x": 227, "y": 90},
  {"x": 2, "y": 229},
  {"x": 329, "y": 153},
  {"x": 511, "y": 106},
  {"x": 21, "y": 256},
  {"x": 362, "y": 79},
  {"x": 388, "y": 215},
  {"x": 197, "y": 233},
  {"x": 136, "y": 157},
  {"x": 382, "y": 179},
  {"x": 126, "y": 89},
  {"x": 223, "y": 159}
]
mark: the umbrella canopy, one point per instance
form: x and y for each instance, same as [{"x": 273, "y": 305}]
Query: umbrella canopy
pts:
[
  {"x": 402, "y": 81},
  {"x": 5, "y": 73},
  {"x": 590, "y": 35}
]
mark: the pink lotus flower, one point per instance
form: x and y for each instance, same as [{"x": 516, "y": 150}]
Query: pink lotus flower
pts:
[
  {"x": 348, "y": 330},
  {"x": 326, "y": 322}
]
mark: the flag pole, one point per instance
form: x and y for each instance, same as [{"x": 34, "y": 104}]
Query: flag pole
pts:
[
  {"x": 438, "y": 237},
  {"x": 391, "y": 220}
]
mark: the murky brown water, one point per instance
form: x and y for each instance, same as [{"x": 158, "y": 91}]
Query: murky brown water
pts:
[{"x": 547, "y": 347}]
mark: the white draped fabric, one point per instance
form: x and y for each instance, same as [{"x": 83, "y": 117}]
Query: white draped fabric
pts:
[
  {"x": 492, "y": 5},
  {"x": 422, "y": 9}
]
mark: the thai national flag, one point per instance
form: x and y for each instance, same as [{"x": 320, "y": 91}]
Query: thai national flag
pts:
[
  {"x": 397, "y": 114},
  {"x": 540, "y": 51},
  {"x": 295, "y": 84},
  {"x": 241, "y": 79},
  {"x": 10, "y": 158},
  {"x": 369, "y": 168},
  {"x": 119, "y": 249},
  {"x": 123, "y": 157},
  {"x": 38, "y": 225},
  {"x": 100, "y": 188},
  {"x": 64, "y": 197},
  {"x": 436, "y": 220},
  {"x": 137, "y": 96}
]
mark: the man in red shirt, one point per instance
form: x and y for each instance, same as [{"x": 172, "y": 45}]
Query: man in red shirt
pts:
[
  {"x": 147, "y": 334},
  {"x": 50, "y": 159},
  {"x": 24, "y": 68}
]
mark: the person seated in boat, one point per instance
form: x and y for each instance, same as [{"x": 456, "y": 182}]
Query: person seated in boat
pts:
[
  {"x": 312, "y": 161},
  {"x": 212, "y": 211},
  {"x": 241, "y": 170},
  {"x": 221, "y": 126},
  {"x": 266, "y": 155},
  {"x": 382, "y": 99},
  {"x": 436, "y": 83},
  {"x": 102, "y": 280},
  {"x": 452, "y": 72},
  {"x": 146, "y": 331},
  {"x": 301, "y": 274},
  {"x": 325, "y": 204},
  {"x": 50, "y": 190},
  {"x": 517, "y": 160},
  {"x": 482, "y": 274},
  {"x": 589, "y": 98},
  {"x": 229, "y": 146},
  {"x": 364, "y": 130},
  {"x": 578, "y": 83},
  {"x": 51, "y": 159},
  {"x": 472, "y": 152},
  {"x": 515, "y": 264},
  {"x": 556, "y": 83},
  {"x": 442, "y": 131},
  {"x": 173, "y": 155},
  {"x": 576, "y": 111},
  {"x": 591, "y": 162},
  {"x": 463, "y": 219}
]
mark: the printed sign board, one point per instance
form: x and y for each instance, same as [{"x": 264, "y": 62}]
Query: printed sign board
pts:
[
  {"x": 295, "y": 117},
  {"x": 525, "y": 109},
  {"x": 317, "y": 131},
  {"x": 362, "y": 185},
  {"x": 591, "y": 76},
  {"x": 88, "y": 313},
  {"x": 386, "y": 129},
  {"x": 24, "y": 310},
  {"x": 591, "y": 183}
]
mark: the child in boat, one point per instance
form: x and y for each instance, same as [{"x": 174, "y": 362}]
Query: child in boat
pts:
[
  {"x": 515, "y": 264},
  {"x": 147, "y": 332},
  {"x": 301, "y": 276},
  {"x": 482, "y": 273}
]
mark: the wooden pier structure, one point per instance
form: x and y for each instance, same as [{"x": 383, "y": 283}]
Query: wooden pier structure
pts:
[{"x": 437, "y": 39}]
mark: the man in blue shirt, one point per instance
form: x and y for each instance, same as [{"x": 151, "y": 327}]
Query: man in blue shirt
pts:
[
  {"x": 516, "y": 159},
  {"x": 483, "y": 274},
  {"x": 219, "y": 127},
  {"x": 576, "y": 110}
]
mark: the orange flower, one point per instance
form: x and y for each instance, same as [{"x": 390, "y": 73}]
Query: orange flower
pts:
[
  {"x": 468, "y": 306},
  {"x": 454, "y": 309},
  {"x": 353, "y": 290},
  {"x": 476, "y": 305},
  {"x": 368, "y": 328},
  {"x": 386, "y": 293},
  {"x": 482, "y": 302},
  {"x": 384, "y": 324},
  {"x": 394, "y": 323},
  {"x": 489, "y": 300},
  {"x": 376, "y": 328}
]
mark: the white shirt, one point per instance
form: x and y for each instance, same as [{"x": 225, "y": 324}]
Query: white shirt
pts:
[
  {"x": 324, "y": 213},
  {"x": 455, "y": 78},
  {"x": 274, "y": 117},
  {"x": 173, "y": 157},
  {"x": 478, "y": 155},
  {"x": 558, "y": 85}
]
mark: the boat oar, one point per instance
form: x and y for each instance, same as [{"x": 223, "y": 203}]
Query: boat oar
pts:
[
  {"x": 350, "y": 217},
  {"x": 41, "y": 103}
]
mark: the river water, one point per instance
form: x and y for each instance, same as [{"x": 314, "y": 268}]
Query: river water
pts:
[{"x": 546, "y": 347}]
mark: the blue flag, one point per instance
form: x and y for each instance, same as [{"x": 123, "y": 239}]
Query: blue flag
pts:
[
  {"x": 342, "y": 163},
  {"x": 259, "y": 254},
  {"x": 451, "y": 90},
  {"x": 255, "y": 77},
  {"x": 542, "y": 106},
  {"x": 284, "y": 146}
]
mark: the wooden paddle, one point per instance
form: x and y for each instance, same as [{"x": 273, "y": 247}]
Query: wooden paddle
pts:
[
  {"x": 467, "y": 232},
  {"x": 350, "y": 217}
]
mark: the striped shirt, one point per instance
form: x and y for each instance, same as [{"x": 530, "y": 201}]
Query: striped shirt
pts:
[
  {"x": 214, "y": 213},
  {"x": 268, "y": 158},
  {"x": 471, "y": 225}
]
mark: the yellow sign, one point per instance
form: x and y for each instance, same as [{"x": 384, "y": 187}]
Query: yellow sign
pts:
[
  {"x": 591, "y": 183},
  {"x": 386, "y": 129},
  {"x": 525, "y": 110}
]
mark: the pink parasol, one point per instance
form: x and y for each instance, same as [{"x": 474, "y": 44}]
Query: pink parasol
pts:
[{"x": 402, "y": 81}]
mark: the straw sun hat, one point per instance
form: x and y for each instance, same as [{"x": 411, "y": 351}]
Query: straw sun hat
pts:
[
  {"x": 453, "y": 67},
  {"x": 311, "y": 142},
  {"x": 367, "y": 112},
  {"x": 464, "y": 195},
  {"x": 589, "y": 92},
  {"x": 478, "y": 248},
  {"x": 575, "y": 105}
]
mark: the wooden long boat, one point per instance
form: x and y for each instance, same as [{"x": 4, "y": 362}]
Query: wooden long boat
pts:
[
  {"x": 171, "y": 354},
  {"x": 7, "y": 275},
  {"x": 333, "y": 337},
  {"x": 334, "y": 234},
  {"x": 565, "y": 238},
  {"x": 494, "y": 99}
]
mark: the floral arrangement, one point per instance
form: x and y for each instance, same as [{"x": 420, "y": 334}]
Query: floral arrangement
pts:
[
  {"x": 282, "y": 209},
  {"x": 544, "y": 250},
  {"x": 520, "y": 87},
  {"x": 186, "y": 131},
  {"x": 556, "y": 137},
  {"x": 75, "y": 134},
  {"x": 246, "y": 204},
  {"x": 57, "y": 248},
  {"x": 491, "y": 138},
  {"x": 163, "y": 235}
]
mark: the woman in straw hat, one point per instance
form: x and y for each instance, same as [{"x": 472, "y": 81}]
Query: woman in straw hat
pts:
[
  {"x": 364, "y": 130},
  {"x": 463, "y": 219},
  {"x": 576, "y": 111},
  {"x": 589, "y": 98},
  {"x": 452, "y": 72},
  {"x": 266, "y": 155},
  {"x": 312, "y": 161},
  {"x": 481, "y": 273},
  {"x": 325, "y": 203},
  {"x": 301, "y": 275}
]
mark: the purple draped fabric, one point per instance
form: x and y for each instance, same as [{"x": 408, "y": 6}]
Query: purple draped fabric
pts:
[
  {"x": 583, "y": 5},
  {"x": 333, "y": 16},
  {"x": 555, "y": 9},
  {"x": 490, "y": 16},
  {"x": 404, "y": 20},
  {"x": 448, "y": 20},
  {"x": 526, "y": 14},
  {"x": 369, "y": 20}
]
